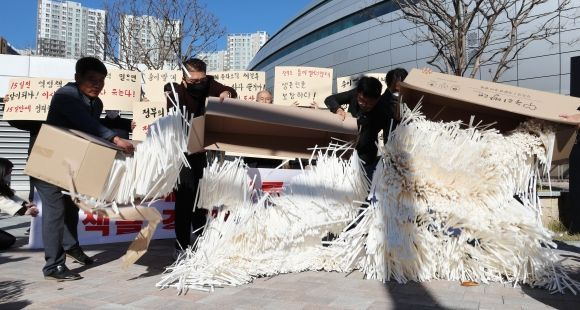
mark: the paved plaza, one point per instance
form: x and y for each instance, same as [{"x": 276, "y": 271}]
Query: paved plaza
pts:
[{"x": 106, "y": 286}]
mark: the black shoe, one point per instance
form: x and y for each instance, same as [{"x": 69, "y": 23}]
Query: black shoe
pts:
[
  {"x": 62, "y": 273},
  {"x": 79, "y": 256}
]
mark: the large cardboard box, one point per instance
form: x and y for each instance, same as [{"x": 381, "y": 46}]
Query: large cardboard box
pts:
[
  {"x": 61, "y": 155},
  {"x": 450, "y": 98},
  {"x": 260, "y": 129}
]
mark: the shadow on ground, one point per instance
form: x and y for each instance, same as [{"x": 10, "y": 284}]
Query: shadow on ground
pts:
[
  {"x": 10, "y": 292},
  {"x": 557, "y": 300},
  {"x": 158, "y": 256}
]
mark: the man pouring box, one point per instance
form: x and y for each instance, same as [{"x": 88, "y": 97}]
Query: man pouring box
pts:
[{"x": 65, "y": 157}]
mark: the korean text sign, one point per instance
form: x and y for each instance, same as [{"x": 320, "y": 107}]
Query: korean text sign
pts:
[
  {"x": 29, "y": 98},
  {"x": 246, "y": 83},
  {"x": 144, "y": 114},
  {"x": 122, "y": 88},
  {"x": 347, "y": 83},
  {"x": 155, "y": 80},
  {"x": 302, "y": 86}
]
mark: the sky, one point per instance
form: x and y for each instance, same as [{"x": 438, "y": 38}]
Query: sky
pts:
[{"x": 19, "y": 27}]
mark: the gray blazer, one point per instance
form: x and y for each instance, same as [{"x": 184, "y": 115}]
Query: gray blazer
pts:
[{"x": 69, "y": 108}]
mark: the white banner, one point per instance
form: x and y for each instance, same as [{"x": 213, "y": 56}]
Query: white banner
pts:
[{"x": 94, "y": 229}]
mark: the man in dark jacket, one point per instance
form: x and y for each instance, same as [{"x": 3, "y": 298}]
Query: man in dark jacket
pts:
[
  {"x": 192, "y": 93},
  {"x": 391, "y": 95},
  {"x": 75, "y": 106},
  {"x": 372, "y": 116}
]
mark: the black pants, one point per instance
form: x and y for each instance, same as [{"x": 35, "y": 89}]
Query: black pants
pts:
[
  {"x": 185, "y": 218},
  {"x": 60, "y": 217},
  {"x": 574, "y": 162}
]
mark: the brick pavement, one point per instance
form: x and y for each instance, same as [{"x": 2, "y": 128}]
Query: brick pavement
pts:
[{"x": 106, "y": 286}]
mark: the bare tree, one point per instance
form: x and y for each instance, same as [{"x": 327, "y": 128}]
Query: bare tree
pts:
[
  {"x": 468, "y": 34},
  {"x": 157, "y": 33}
]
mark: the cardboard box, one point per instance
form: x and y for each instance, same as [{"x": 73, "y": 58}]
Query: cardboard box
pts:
[
  {"x": 59, "y": 154},
  {"x": 450, "y": 98},
  {"x": 262, "y": 129}
]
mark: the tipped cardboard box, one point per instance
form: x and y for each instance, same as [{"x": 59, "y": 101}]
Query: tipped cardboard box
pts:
[
  {"x": 450, "y": 98},
  {"x": 267, "y": 130},
  {"x": 61, "y": 154}
]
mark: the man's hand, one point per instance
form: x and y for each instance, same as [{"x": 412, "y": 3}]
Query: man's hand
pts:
[
  {"x": 31, "y": 210},
  {"x": 5, "y": 98},
  {"x": 572, "y": 118},
  {"x": 127, "y": 146},
  {"x": 224, "y": 95},
  {"x": 340, "y": 112}
]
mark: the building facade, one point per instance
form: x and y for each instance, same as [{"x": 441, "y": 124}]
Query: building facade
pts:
[
  {"x": 242, "y": 47},
  {"x": 368, "y": 36},
  {"x": 216, "y": 61},
  {"x": 149, "y": 40},
  {"x": 66, "y": 29}
]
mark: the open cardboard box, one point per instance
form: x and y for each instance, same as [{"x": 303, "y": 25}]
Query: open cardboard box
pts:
[
  {"x": 450, "y": 98},
  {"x": 60, "y": 155},
  {"x": 266, "y": 130}
]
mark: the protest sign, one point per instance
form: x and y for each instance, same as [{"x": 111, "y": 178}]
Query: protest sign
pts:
[
  {"x": 122, "y": 88},
  {"x": 144, "y": 114},
  {"x": 347, "y": 83},
  {"x": 302, "y": 86},
  {"x": 154, "y": 80},
  {"x": 246, "y": 83},
  {"x": 29, "y": 98}
]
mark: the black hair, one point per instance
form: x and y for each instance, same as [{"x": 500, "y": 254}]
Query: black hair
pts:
[
  {"x": 5, "y": 166},
  {"x": 86, "y": 64},
  {"x": 396, "y": 75},
  {"x": 369, "y": 87},
  {"x": 195, "y": 64}
]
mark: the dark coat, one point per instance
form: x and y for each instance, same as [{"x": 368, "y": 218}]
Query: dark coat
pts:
[
  {"x": 369, "y": 123},
  {"x": 68, "y": 109}
]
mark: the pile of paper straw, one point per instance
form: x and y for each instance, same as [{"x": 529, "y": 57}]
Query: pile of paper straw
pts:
[{"x": 447, "y": 201}]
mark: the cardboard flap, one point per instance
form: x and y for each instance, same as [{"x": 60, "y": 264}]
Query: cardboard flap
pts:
[
  {"x": 451, "y": 98},
  {"x": 259, "y": 129},
  {"x": 483, "y": 97},
  {"x": 196, "y": 141},
  {"x": 94, "y": 139},
  {"x": 321, "y": 120}
]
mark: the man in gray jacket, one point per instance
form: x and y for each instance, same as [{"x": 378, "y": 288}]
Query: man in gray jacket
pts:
[{"x": 75, "y": 106}]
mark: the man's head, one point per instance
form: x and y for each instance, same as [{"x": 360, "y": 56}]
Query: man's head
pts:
[
  {"x": 264, "y": 96},
  {"x": 394, "y": 77},
  {"x": 90, "y": 76},
  {"x": 368, "y": 91},
  {"x": 195, "y": 77}
]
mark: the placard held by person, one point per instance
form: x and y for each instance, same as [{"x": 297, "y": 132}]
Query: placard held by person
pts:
[
  {"x": 246, "y": 83},
  {"x": 29, "y": 98},
  {"x": 122, "y": 88},
  {"x": 302, "y": 86}
]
